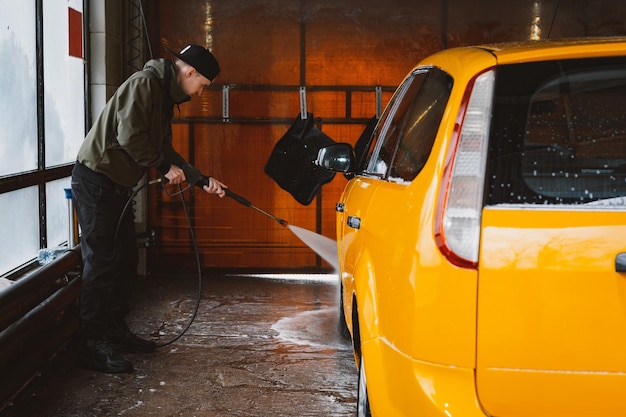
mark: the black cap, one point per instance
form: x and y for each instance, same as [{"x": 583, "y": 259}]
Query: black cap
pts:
[{"x": 201, "y": 59}]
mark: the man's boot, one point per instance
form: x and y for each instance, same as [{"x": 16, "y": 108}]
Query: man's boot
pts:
[
  {"x": 124, "y": 340},
  {"x": 99, "y": 355}
]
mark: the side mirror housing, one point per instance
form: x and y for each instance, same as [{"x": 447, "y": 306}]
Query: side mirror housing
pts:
[{"x": 338, "y": 157}]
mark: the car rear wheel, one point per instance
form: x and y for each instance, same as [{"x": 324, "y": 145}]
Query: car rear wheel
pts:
[{"x": 363, "y": 404}]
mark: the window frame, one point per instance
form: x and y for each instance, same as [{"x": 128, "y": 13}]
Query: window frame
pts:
[
  {"x": 392, "y": 129},
  {"x": 42, "y": 175}
]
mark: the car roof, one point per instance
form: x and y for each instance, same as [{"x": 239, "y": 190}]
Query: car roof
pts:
[
  {"x": 560, "y": 49},
  {"x": 466, "y": 61}
]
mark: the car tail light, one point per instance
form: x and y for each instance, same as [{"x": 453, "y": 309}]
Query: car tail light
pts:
[{"x": 457, "y": 226}]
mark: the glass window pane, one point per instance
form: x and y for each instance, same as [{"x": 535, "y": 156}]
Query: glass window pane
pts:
[
  {"x": 576, "y": 141},
  {"x": 560, "y": 137},
  {"x": 20, "y": 227},
  {"x": 419, "y": 124},
  {"x": 63, "y": 84},
  {"x": 18, "y": 83},
  {"x": 385, "y": 137},
  {"x": 409, "y": 125},
  {"x": 57, "y": 212}
]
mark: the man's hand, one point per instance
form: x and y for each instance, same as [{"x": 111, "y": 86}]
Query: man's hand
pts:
[
  {"x": 175, "y": 175},
  {"x": 214, "y": 187}
]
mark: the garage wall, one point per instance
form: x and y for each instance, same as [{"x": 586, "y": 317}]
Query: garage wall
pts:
[{"x": 340, "y": 51}]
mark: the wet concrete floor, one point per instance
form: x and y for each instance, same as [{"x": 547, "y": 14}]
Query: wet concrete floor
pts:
[{"x": 257, "y": 347}]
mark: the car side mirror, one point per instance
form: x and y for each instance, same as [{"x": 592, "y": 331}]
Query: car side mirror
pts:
[{"x": 337, "y": 157}]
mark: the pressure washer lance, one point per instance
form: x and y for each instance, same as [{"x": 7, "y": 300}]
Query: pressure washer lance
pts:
[
  {"x": 241, "y": 200},
  {"x": 247, "y": 203}
]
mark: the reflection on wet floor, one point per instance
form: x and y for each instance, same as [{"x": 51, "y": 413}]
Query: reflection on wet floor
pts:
[{"x": 257, "y": 347}]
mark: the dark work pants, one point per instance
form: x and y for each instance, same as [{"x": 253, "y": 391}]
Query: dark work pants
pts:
[{"x": 109, "y": 259}]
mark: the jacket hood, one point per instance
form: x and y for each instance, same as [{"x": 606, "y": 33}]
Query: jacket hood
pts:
[{"x": 158, "y": 67}]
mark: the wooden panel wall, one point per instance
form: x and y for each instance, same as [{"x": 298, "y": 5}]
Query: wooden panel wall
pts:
[{"x": 340, "y": 51}]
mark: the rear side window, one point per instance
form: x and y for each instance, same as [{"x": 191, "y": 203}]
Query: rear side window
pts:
[
  {"x": 559, "y": 133},
  {"x": 407, "y": 130}
]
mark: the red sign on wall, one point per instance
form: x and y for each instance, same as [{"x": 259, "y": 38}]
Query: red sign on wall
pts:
[{"x": 75, "y": 30}]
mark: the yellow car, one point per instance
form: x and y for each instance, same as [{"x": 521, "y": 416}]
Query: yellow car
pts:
[{"x": 482, "y": 236}]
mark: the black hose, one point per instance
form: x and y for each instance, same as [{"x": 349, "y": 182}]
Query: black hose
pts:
[
  {"x": 230, "y": 194},
  {"x": 193, "y": 240},
  {"x": 195, "y": 247}
]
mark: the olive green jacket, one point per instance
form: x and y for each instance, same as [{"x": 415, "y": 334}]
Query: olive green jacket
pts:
[{"x": 134, "y": 132}]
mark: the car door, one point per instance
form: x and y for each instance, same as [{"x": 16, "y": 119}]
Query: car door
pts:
[{"x": 399, "y": 149}]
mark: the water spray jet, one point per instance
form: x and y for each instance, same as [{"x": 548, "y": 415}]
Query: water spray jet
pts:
[{"x": 325, "y": 247}]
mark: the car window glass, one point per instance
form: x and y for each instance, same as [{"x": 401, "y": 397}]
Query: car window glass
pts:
[
  {"x": 559, "y": 133},
  {"x": 419, "y": 125},
  {"x": 384, "y": 141},
  {"x": 408, "y": 131}
]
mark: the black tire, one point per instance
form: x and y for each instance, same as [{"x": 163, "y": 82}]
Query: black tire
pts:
[
  {"x": 362, "y": 399},
  {"x": 344, "y": 332}
]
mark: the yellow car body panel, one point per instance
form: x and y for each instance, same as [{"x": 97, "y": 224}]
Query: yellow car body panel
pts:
[
  {"x": 401, "y": 383},
  {"x": 553, "y": 312},
  {"x": 408, "y": 279},
  {"x": 541, "y": 318}
]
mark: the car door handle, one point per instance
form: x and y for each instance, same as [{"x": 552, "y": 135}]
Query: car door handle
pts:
[
  {"x": 354, "y": 222},
  {"x": 620, "y": 262}
]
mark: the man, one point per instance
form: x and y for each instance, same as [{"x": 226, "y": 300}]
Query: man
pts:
[{"x": 132, "y": 134}]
